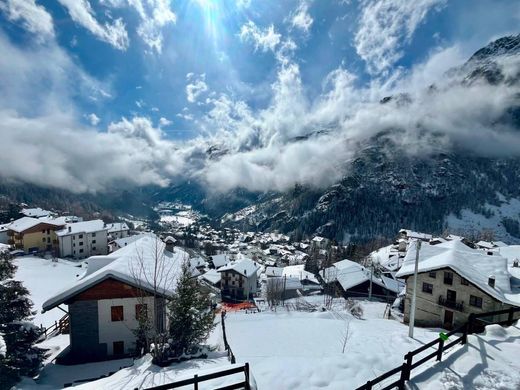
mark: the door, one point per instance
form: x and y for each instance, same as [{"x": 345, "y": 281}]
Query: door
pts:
[
  {"x": 451, "y": 296},
  {"x": 448, "y": 319},
  {"x": 119, "y": 347}
]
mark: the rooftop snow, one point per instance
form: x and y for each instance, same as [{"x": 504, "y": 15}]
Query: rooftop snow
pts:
[
  {"x": 474, "y": 265},
  {"x": 95, "y": 225},
  {"x": 35, "y": 212},
  {"x": 24, "y": 223},
  {"x": 134, "y": 265},
  {"x": 245, "y": 267},
  {"x": 117, "y": 227}
]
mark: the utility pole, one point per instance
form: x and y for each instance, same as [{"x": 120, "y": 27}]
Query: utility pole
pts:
[
  {"x": 370, "y": 289},
  {"x": 414, "y": 294}
]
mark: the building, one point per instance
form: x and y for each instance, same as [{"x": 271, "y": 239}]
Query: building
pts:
[
  {"x": 239, "y": 281},
  {"x": 350, "y": 279},
  {"x": 36, "y": 212},
  {"x": 104, "y": 305},
  {"x": 34, "y": 235},
  {"x": 83, "y": 239},
  {"x": 319, "y": 242},
  {"x": 4, "y": 237},
  {"x": 117, "y": 230},
  {"x": 454, "y": 281}
]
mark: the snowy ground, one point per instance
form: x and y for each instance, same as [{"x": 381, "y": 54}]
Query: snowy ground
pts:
[
  {"x": 303, "y": 350},
  {"x": 488, "y": 361},
  {"x": 43, "y": 278}
]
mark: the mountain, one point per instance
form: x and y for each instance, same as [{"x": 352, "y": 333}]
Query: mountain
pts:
[{"x": 385, "y": 188}]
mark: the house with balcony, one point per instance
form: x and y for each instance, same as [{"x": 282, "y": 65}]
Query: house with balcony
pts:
[
  {"x": 80, "y": 240},
  {"x": 116, "y": 294},
  {"x": 34, "y": 235},
  {"x": 454, "y": 281},
  {"x": 239, "y": 280}
]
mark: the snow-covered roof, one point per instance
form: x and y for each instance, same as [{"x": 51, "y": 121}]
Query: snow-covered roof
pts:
[
  {"x": 220, "y": 260},
  {"x": 318, "y": 239},
  {"x": 4, "y": 227},
  {"x": 412, "y": 234},
  {"x": 36, "y": 212},
  {"x": 133, "y": 264},
  {"x": 273, "y": 271},
  {"x": 245, "y": 267},
  {"x": 93, "y": 226},
  {"x": 122, "y": 242},
  {"x": 298, "y": 272},
  {"x": 474, "y": 265},
  {"x": 212, "y": 276},
  {"x": 485, "y": 244},
  {"x": 24, "y": 223},
  {"x": 117, "y": 227},
  {"x": 197, "y": 262}
]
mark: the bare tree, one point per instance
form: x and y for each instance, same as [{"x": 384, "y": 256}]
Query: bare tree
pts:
[
  {"x": 346, "y": 334},
  {"x": 330, "y": 275},
  {"x": 274, "y": 290},
  {"x": 155, "y": 273}
]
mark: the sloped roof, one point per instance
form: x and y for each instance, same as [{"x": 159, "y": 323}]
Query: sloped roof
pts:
[
  {"x": 474, "y": 265},
  {"x": 24, "y": 223},
  {"x": 245, "y": 267},
  {"x": 95, "y": 225},
  {"x": 117, "y": 227},
  {"x": 212, "y": 276},
  {"x": 134, "y": 265}
]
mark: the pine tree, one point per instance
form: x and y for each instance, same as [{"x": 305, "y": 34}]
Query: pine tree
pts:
[
  {"x": 191, "y": 316},
  {"x": 18, "y": 357}
]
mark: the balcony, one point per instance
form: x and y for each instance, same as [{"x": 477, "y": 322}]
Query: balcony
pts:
[{"x": 459, "y": 306}]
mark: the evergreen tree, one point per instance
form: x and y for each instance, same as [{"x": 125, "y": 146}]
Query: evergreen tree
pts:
[
  {"x": 190, "y": 313},
  {"x": 18, "y": 356}
]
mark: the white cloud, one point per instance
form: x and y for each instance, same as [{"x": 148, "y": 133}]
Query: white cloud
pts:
[
  {"x": 82, "y": 13},
  {"x": 263, "y": 39},
  {"x": 385, "y": 27},
  {"x": 301, "y": 19},
  {"x": 163, "y": 122},
  {"x": 93, "y": 119},
  {"x": 196, "y": 86},
  {"x": 34, "y": 18}
]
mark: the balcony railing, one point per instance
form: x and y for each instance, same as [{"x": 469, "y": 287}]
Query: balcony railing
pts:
[{"x": 459, "y": 306}]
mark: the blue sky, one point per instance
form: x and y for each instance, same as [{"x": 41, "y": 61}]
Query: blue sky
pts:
[{"x": 180, "y": 73}]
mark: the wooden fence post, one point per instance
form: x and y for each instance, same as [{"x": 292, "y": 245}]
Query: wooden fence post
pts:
[
  {"x": 368, "y": 385},
  {"x": 464, "y": 339},
  {"x": 407, "y": 367},
  {"x": 510, "y": 316},
  {"x": 246, "y": 373},
  {"x": 196, "y": 383},
  {"x": 471, "y": 319},
  {"x": 439, "y": 351}
]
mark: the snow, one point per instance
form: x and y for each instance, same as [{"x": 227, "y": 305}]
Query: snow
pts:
[
  {"x": 95, "y": 225},
  {"x": 3, "y": 346},
  {"x": 212, "y": 276},
  {"x": 180, "y": 219},
  {"x": 474, "y": 265},
  {"x": 135, "y": 261},
  {"x": 301, "y": 350},
  {"x": 245, "y": 267},
  {"x": 487, "y": 361},
  {"x": 44, "y": 278},
  {"x": 24, "y": 223},
  {"x": 298, "y": 272}
]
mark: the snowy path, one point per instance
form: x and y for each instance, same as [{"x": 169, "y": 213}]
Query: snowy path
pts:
[{"x": 488, "y": 361}]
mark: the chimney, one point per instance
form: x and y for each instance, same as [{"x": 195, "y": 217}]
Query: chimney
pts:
[{"x": 491, "y": 281}]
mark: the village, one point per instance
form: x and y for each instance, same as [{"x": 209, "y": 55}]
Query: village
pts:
[{"x": 88, "y": 296}]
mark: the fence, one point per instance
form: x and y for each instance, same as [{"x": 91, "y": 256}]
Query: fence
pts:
[
  {"x": 230, "y": 354},
  {"x": 59, "y": 327},
  {"x": 476, "y": 322},
  {"x": 202, "y": 378}
]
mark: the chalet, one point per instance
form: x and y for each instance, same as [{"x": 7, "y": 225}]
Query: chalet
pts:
[
  {"x": 83, "y": 239},
  {"x": 221, "y": 260},
  {"x": 239, "y": 280},
  {"x": 410, "y": 234},
  {"x": 319, "y": 242},
  {"x": 122, "y": 242},
  {"x": 34, "y": 235},
  {"x": 36, "y": 212},
  {"x": 454, "y": 281},
  {"x": 351, "y": 279},
  {"x": 104, "y": 304}
]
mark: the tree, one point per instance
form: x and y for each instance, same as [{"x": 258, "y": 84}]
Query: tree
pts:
[
  {"x": 191, "y": 315},
  {"x": 18, "y": 355}
]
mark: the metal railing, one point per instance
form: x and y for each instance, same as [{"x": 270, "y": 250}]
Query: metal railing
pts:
[{"x": 459, "y": 306}]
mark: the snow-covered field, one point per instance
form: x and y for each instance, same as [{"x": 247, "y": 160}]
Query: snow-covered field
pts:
[
  {"x": 303, "y": 350},
  {"x": 43, "y": 278},
  {"x": 488, "y": 361}
]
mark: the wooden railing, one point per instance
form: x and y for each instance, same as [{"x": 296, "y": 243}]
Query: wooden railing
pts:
[
  {"x": 451, "y": 304},
  {"x": 62, "y": 326},
  {"x": 475, "y": 323},
  {"x": 245, "y": 384}
]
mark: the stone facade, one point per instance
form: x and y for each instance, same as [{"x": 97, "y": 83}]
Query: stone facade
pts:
[{"x": 430, "y": 311}]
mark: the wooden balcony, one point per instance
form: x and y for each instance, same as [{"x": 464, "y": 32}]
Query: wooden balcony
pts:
[{"x": 459, "y": 306}]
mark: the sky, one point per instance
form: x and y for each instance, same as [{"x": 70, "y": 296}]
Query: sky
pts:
[{"x": 257, "y": 94}]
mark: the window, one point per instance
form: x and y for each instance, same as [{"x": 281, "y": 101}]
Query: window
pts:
[
  {"x": 81, "y": 251},
  {"x": 432, "y": 274},
  {"x": 117, "y": 313},
  {"x": 80, "y": 243},
  {"x": 48, "y": 231},
  {"x": 93, "y": 241},
  {"x": 93, "y": 248},
  {"x": 48, "y": 240},
  {"x": 93, "y": 234},
  {"x": 448, "y": 278},
  {"x": 43, "y": 231},
  {"x": 80, "y": 236},
  {"x": 475, "y": 301},
  {"x": 141, "y": 311},
  {"x": 464, "y": 282},
  {"x": 118, "y": 347},
  {"x": 427, "y": 288},
  {"x": 43, "y": 239}
]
